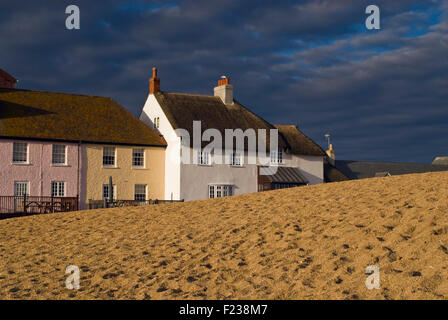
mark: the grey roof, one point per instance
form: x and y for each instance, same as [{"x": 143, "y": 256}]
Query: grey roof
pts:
[
  {"x": 367, "y": 169},
  {"x": 441, "y": 161},
  {"x": 284, "y": 175}
]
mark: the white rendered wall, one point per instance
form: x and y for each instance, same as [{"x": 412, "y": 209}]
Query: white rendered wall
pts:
[
  {"x": 150, "y": 111},
  {"x": 312, "y": 167}
]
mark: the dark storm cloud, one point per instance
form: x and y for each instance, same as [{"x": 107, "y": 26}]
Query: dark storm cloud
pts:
[{"x": 381, "y": 94}]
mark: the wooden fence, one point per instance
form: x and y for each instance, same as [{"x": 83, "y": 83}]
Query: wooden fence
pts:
[{"x": 16, "y": 206}]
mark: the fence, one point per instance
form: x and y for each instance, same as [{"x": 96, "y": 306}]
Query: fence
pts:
[
  {"x": 100, "y": 204},
  {"x": 14, "y": 206}
]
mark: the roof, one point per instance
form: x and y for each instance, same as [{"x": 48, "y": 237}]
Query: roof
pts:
[
  {"x": 7, "y": 76},
  {"x": 441, "y": 161},
  {"x": 368, "y": 169},
  {"x": 70, "y": 117},
  {"x": 182, "y": 109},
  {"x": 333, "y": 174},
  {"x": 298, "y": 142},
  {"x": 284, "y": 175}
]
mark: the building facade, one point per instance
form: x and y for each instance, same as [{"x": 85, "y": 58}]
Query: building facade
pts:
[{"x": 202, "y": 176}]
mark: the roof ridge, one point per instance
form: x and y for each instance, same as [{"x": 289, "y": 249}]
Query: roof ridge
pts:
[{"x": 54, "y": 92}]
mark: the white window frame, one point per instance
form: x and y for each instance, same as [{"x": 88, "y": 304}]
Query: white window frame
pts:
[
  {"x": 235, "y": 156},
  {"x": 17, "y": 183},
  {"x": 65, "y": 155},
  {"x": 220, "y": 190},
  {"x": 204, "y": 158},
  {"x": 27, "y": 153},
  {"x": 114, "y": 191},
  {"x": 115, "y": 157},
  {"x": 277, "y": 156},
  {"x": 145, "y": 192},
  {"x": 58, "y": 184},
  {"x": 144, "y": 158}
]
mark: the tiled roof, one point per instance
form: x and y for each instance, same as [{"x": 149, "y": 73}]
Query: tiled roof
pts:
[
  {"x": 283, "y": 174},
  {"x": 70, "y": 117}
]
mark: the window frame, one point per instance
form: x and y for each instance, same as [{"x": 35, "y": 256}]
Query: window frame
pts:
[
  {"x": 26, "y": 183},
  {"x": 53, "y": 154},
  {"x": 143, "y": 159},
  {"x": 234, "y": 163},
  {"x": 200, "y": 158},
  {"x": 276, "y": 157},
  {"x": 115, "y": 157},
  {"x": 27, "y": 153},
  {"x": 145, "y": 192},
  {"x": 114, "y": 191},
  {"x": 220, "y": 190},
  {"x": 58, "y": 189}
]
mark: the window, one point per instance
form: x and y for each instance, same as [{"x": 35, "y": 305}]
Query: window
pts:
[
  {"x": 20, "y": 152},
  {"x": 138, "y": 157},
  {"x": 106, "y": 192},
  {"x": 140, "y": 192},
  {"x": 58, "y": 156},
  {"x": 57, "y": 189},
  {"x": 21, "y": 188},
  {"x": 204, "y": 157},
  {"x": 277, "y": 156},
  {"x": 219, "y": 191},
  {"x": 108, "y": 156},
  {"x": 156, "y": 122},
  {"x": 235, "y": 159}
]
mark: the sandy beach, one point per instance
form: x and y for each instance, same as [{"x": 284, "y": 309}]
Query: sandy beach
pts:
[{"x": 302, "y": 243}]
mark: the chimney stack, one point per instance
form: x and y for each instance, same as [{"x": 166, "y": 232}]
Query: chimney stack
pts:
[
  {"x": 154, "y": 82},
  {"x": 224, "y": 90}
]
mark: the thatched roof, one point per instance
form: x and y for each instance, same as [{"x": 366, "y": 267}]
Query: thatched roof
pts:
[
  {"x": 332, "y": 174},
  {"x": 59, "y": 116},
  {"x": 298, "y": 142},
  {"x": 182, "y": 109}
]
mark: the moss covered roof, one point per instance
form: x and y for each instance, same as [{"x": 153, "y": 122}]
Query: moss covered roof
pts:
[{"x": 70, "y": 117}]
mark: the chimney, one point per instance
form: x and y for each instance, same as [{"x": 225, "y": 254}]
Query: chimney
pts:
[
  {"x": 330, "y": 155},
  {"x": 224, "y": 90},
  {"x": 154, "y": 82}
]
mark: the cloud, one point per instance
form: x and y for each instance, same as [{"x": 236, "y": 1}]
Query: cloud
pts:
[{"x": 308, "y": 62}]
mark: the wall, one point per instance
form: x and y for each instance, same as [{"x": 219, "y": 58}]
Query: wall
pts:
[
  {"x": 151, "y": 110},
  {"x": 124, "y": 176},
  {"x": 312, "y": 167},
  {"x": 195, "y": 179},
  {"x": 39, "y": 171}
]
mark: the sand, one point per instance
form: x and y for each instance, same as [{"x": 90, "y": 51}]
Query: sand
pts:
[{"x": 303, "y": 243}]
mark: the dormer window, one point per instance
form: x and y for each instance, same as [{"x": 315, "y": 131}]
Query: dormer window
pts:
[
  {"x": 204, "y": 158},
  {"x": 235, "y": 159}
]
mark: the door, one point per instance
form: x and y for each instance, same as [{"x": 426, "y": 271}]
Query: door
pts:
[{"x": 20, "y": 189}]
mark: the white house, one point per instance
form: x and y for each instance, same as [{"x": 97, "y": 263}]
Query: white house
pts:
[{"x": 203, "y": 174}]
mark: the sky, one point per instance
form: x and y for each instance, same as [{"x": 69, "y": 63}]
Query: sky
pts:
[{"x": 382, "y": 95}]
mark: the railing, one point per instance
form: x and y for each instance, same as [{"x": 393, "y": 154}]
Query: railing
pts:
[
  {"x": 100, "y": 204},
  {"x": 14, "y": 206}
]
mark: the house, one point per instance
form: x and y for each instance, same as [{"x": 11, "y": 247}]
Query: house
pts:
[
  {"x": 194, "y": 173},
  {"x": 7, "y": 80},
  {"x": 440, "y": 161},
  {"x": 59, "y": 144}
]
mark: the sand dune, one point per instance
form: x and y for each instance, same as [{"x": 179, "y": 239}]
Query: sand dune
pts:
[{"x": 304, "y": 243}]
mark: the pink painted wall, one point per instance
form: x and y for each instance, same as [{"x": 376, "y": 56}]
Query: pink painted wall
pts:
[{"x": 40, "y": 171}]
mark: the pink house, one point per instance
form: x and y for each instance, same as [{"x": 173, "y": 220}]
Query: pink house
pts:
[{"x": 39, "y": 168}]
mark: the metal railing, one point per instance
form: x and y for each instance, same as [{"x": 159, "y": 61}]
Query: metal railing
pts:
[
  {"x": 101, "y": 204},
  {"x": 14, "y": 206}
]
